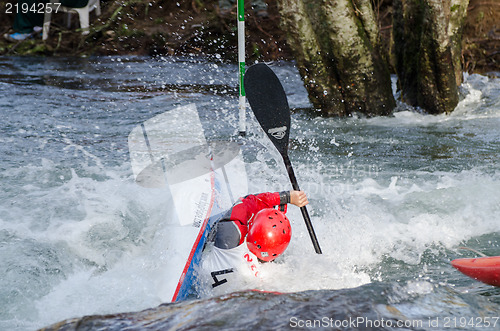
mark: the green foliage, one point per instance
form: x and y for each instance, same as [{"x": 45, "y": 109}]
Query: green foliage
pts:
[
  {"x": 256, "y": 50},
  {"x": 125, "y": 31},
  {"x": 199, "y": 3},
  {"x": 480, "y": 17}
]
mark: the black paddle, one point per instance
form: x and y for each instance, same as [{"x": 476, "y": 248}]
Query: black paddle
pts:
[{"x": 270, "y": 106}]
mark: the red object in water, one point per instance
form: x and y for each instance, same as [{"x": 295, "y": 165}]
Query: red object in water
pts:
[{"x": 484, "y": 269}]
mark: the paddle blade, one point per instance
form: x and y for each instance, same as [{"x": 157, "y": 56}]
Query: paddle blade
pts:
[{"x": 268, "y": 101}]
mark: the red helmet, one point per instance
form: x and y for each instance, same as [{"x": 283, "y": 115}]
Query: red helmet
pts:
[{"x": 269, "y": 234}]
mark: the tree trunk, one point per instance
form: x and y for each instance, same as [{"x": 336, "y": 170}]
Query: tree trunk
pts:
[
  {"x": 337, "y": 48},
  {"x": 427, "y": 36},
  {"x": 455, "y": 31}
]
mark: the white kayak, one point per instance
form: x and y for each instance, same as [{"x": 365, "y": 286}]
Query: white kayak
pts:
[{"x": 203, "y": 179}]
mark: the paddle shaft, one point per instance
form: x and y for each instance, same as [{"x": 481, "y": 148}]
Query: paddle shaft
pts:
[{"x": 303, "y": 209}]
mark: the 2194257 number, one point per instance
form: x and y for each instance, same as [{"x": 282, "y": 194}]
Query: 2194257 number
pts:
[
  {"x": 470, "y": 322},
  {"x": 36, "y": 8}
]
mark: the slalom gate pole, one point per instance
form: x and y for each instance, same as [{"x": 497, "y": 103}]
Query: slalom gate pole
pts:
[{"x": 241, "y": 66}]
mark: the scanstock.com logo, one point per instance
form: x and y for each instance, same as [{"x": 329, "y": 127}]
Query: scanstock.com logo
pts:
[{"x": 277, "y": 133}]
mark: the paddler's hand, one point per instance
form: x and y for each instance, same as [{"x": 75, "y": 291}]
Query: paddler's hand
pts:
[{"x": 298, "y": 198}]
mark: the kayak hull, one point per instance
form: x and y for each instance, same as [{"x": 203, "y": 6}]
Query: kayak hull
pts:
[{"x": 483, "y": 269}]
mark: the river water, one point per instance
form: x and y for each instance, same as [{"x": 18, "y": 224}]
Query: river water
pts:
[{"x": 392, "y": 200}]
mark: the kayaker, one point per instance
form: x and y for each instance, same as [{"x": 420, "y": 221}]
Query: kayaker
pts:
[{"x": 251, "y": 232}]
